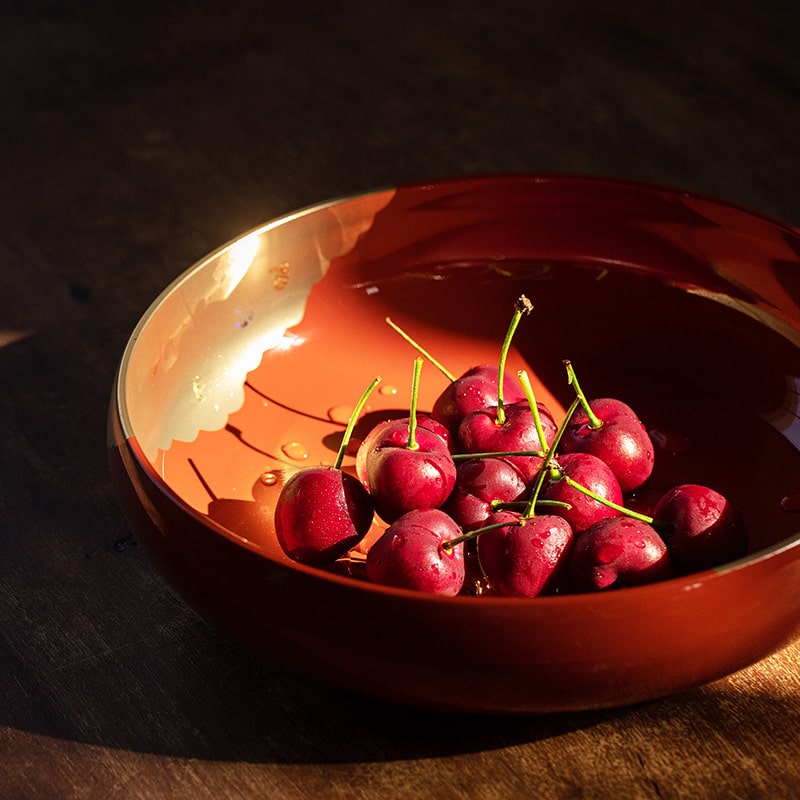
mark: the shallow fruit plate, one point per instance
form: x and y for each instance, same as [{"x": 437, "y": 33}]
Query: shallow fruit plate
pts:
[{"x": 246, "y": 368}]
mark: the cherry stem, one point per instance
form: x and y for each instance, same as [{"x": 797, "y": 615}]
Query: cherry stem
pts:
[
  {"x": 412, "y": 414},
  {"x": 465, "y": 537},
  {"x": 537, "y": 417},
  {"x": 420, "y": 349},
  {"x": 594, "y": 420},
  {"x": 628, "y": 512},
  {"x": 498, "y": 454},
  {"x": 521, "y": 306},
  {"x": 351, "y": 423},
  {"x": 510, "y": 505},
  {"x": 543, "y": 470}
]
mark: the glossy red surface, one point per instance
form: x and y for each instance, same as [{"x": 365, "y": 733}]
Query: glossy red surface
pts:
[{"x": 685, "y": 307}]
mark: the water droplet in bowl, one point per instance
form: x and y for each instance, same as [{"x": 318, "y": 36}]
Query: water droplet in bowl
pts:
[
  {"x": 269, "y": 478},
  {"x": 340, "y": 414},
  {"x": 295, "y": 450}
]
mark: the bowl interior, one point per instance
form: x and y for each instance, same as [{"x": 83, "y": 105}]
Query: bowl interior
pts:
[{"x": 247, "y": 367}]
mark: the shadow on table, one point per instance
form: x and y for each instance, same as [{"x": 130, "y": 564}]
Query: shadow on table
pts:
[{"x": 213, "y": 700}]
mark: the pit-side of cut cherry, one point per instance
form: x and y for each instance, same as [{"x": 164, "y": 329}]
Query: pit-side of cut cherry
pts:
[
  {"x": 411, "y": 554},
  {"x": 703, "y": 528},
  {"x": 616, "y": 552}
]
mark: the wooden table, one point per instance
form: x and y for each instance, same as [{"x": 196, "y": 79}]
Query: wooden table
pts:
[{"x": 136, "y": 137}]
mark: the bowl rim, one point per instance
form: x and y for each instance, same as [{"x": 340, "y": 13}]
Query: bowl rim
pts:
[{"x": 119, "y": 405}]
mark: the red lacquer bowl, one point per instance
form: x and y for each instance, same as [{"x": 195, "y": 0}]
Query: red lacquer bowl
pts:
[{"x": 246, "y": 367}]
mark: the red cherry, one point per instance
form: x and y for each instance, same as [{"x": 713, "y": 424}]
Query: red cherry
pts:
[
  {"x": 621, "y": 441},
  {"x": 591, "y": 473},
  {"x": 479, "y": 481},
  {"x": 618, "y": 551},
  {"x": 402, "y": 479},
  {"x": 475, "y": 389},
  {"x": 320, "y": 514},
  {"x": 524, "y": 557},
  {"x": 410, "y": 554},
  {"x": 707, "y": 530}
]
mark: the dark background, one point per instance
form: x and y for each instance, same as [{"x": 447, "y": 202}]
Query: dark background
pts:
[{"x": 138, "y": 136}]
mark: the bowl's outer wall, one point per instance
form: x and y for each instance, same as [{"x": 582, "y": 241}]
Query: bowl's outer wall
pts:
[{"x": 548, "y": 654}]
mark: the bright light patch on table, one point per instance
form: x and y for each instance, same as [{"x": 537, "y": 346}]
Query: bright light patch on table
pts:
[{"x": 9, "y": 337}]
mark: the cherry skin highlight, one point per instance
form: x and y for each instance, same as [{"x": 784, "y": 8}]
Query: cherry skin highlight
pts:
[
  {"x": 705, "y": 529},
  {"x": 410, "y": 554},
  {"x": 320, "y": 514},
  {"x": 524, "y": 557},
  {"x": 615, "y": 552},
  {"x": 621, "y": 441}
]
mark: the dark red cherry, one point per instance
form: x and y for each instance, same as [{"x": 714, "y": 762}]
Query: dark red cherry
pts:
[
  {"x": 621, "y": 441},
  {"x": 524, "y": 557},
  {"x": 410, "y": 554},
  {"x": 320, "y": 514},
  {"x": 705, "y": 529},
  {"x": 591, "y": 473},
  {"x": 480, "y": 432},
  {"x": 617, "y": 551},
  {"x": 479, "y": 481},
  {"x": 475, "y": 389}
]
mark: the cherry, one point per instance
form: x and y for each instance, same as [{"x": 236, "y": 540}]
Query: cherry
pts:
[
  {"x": 411, "y": 554},
  {"x": 409, "y": 469},
  {"x": 701, "y": 528},
  {"x": 474, "y": 390},
  {"x": 481, "y": 432},
  {"x": 523, "y": 557},
  {"x": 610, "y": 430},
  {"x": 617, "y": 551},
  {"x": 393, "y": 432},
  {"x": 573, "y": 481},
  {"x": 479, "y": 483},
  {"x": 322, "y": 512}
]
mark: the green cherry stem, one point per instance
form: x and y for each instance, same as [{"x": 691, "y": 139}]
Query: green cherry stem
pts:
[
  {"x": 412, "y": 414},
  {"x": 544, "y": 469},
  {"x": 420, "y": 349},
  {"x": 498, "y": 454},
  {"x": 594, "y": 420},
  {"x": 537, "y": 418},
  {"x": 351, "y": 423},
  {"x": 521, "y": 306},
  {"x": 628, "y": 512}
]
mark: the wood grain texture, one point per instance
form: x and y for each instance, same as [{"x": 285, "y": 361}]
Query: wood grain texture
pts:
[{"x": 136, "y": 137}]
